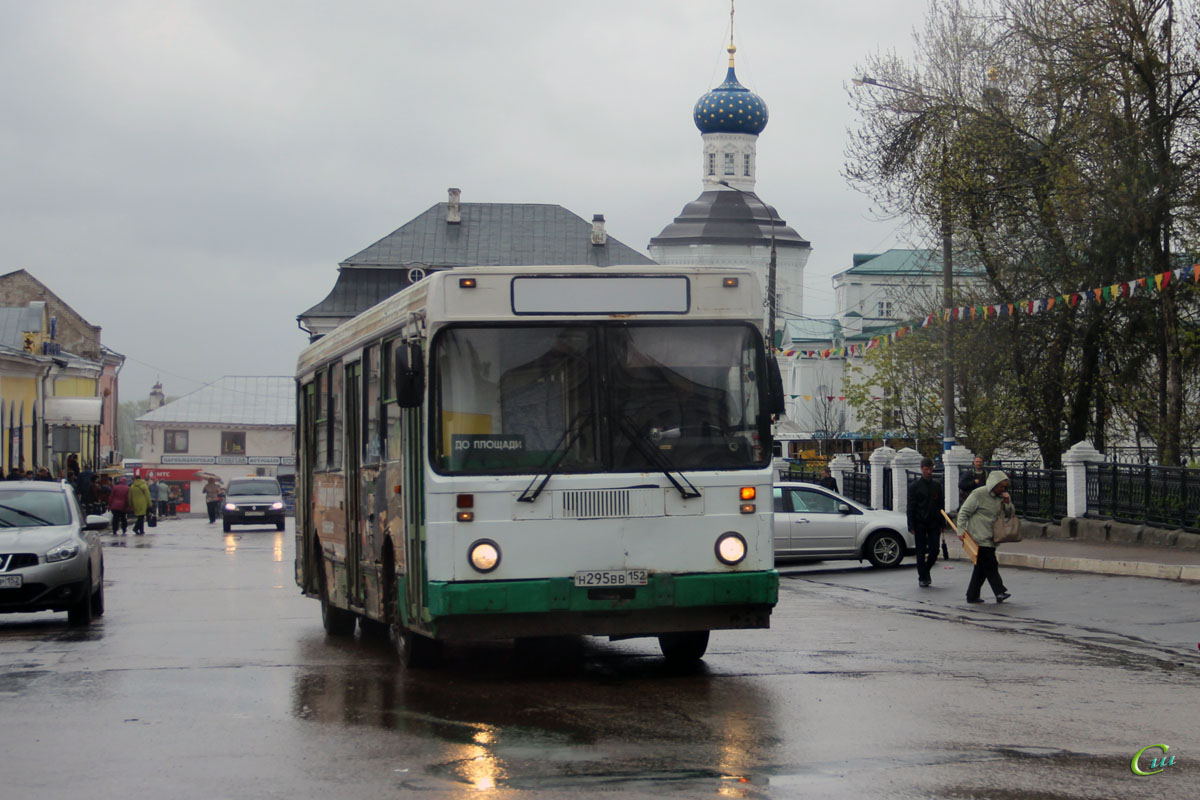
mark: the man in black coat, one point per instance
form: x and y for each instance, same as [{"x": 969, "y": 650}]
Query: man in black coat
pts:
[
  {"x": 971, "y": 479},
  {"x": 925, "y": 503}
]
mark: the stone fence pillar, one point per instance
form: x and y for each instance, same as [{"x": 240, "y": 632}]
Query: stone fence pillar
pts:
[
  {"x": 905, "y": 460},
  {"x": 881, "y": 459},
  {"x": 955, "y": 460},
  {"x": 839, "y": 466},
  {"x": 1075, "y": 462}
]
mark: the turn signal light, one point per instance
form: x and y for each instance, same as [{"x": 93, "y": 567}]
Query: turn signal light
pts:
[
  {"x": 465, "y": 516},
  {"x": 730, "y": 283},
  {"x": 749, "y": 493},
  {"x": 749, "y": 508},
  {"x": 466, "y": 283}
]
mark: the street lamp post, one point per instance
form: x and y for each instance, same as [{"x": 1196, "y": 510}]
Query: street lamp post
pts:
[
  {"x": 947, "y": 287},
  {"x": 770, "y": 268}
]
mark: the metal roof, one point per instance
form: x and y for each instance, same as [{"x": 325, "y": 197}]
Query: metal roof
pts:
[
  {"x": 15, "y": 320},
  {"x": 729, "y": 217},
  {"x": 912, "y": 263},
  {"x": 240, "y": 400}
]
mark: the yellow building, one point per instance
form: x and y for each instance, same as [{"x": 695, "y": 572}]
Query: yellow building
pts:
[{"x": 58, "y": 384}]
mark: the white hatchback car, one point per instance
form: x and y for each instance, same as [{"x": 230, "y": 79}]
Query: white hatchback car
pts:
[
  {"x": 50, "y": 556},
  {"x": 814, "y": 523}
]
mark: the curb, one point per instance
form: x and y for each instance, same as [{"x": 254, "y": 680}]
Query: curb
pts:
[{"x": 1095, "y": 566}]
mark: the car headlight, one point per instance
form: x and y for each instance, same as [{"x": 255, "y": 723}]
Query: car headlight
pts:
[
  {"x": 731, "y": 548},
  {"x": 484, "y": 555},
  {"x": 230, "y": 507},
  {"x": 62, "y": 552},
  {"x": 276, "y": 506}
]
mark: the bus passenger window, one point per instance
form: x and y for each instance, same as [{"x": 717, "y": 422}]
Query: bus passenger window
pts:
[
  {"x": 321, "y": 414},
  {"x": 372, "y": 450}
]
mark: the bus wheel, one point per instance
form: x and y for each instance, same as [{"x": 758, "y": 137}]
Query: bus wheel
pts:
[
  {"x": 415, "y": 651},
  {"x": 685, "y": 647},
  {"x": 337, "y": 621}
]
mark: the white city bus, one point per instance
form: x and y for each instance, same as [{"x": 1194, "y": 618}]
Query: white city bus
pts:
[{"x": 510, "y": 452}]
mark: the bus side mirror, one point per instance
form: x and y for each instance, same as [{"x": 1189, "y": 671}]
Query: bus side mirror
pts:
[
  {"x": 775, "y": 400},
  {"x": 410, "y": 375}
]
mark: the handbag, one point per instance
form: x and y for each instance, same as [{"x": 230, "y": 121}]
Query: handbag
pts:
[
  {"x": 152, "y": 519},
  {"x": 1006, "y": 528}
]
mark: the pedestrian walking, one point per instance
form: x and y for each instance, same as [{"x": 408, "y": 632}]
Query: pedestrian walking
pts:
[
  {"x": 118, "y": 504},
  {"x": 159, "y": 492},
  {"x": 976, "y": 516},
  {"x": 971, "y": 480},
  {"x": 139, "y": 504},
  {"x": 926, "y": 499},
  {"x": 827, "y": 480},
  {"x": 212, "y": 496}
]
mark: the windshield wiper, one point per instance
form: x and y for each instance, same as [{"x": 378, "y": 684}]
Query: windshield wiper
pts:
[
  {"x": 556, "y": 457},
  {"x": 25, "y": 513},
  {"x": 658, "y": 458}
]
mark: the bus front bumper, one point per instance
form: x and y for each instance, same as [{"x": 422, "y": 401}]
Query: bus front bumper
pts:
[{"x": 555, "y": 606}]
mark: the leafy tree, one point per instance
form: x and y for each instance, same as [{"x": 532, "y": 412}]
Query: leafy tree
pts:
[
  {"x": 127, "y": 438},
  {"x": 1055, "y": 142}
]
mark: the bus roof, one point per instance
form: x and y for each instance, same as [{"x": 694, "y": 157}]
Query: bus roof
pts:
[{"x": 681, "y": 292}]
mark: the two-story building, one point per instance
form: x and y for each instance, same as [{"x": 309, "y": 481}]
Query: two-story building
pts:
[{"x": 235, "y": 426}]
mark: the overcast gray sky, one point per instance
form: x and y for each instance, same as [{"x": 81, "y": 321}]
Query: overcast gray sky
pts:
[{"x": 187, "y": 175}]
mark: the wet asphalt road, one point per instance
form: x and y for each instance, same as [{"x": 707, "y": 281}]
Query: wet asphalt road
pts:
[{"x": 210, "y": 677}]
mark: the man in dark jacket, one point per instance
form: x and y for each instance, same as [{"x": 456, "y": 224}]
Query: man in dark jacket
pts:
[
  {"x": 971, "y": 479},
  {"x": 925, "y": 503},
  {"x": 827, "y": 480}
]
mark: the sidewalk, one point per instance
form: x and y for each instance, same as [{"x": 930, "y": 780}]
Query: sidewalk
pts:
[{"x": 1073, "y": 555}]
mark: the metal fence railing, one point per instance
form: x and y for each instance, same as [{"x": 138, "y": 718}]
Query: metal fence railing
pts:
[
  {"x": 1162, "y": 496},
  {"x": 1038, "y": 494},
  {"x": 857, "y": 486}
]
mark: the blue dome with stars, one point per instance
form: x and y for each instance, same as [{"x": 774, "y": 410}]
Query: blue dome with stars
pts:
[{"x": 730, "y": 108}]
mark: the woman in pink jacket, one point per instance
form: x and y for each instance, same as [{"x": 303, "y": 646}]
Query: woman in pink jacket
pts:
[{"x": 118, "y": 504}]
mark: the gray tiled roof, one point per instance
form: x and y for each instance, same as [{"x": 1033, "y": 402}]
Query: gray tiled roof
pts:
[
  {"x": 233, "y": 400},
  {"x": 495, "y": 234},
  {"x": 490, "y": 235}
]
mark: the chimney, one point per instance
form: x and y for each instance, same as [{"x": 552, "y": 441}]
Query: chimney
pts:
[
  {"x": 453, "y": 209},
  {"x": 599, "y": 237},
  {"x": 157, "y": 398}
]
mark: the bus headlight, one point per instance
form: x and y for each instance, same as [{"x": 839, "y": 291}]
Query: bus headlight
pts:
[
  {"x": 731, "y": 548},
  {"x": 484, "y": 555}
]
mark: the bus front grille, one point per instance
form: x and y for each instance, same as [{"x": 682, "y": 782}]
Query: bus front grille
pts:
[{"x": 596, "y": 504}]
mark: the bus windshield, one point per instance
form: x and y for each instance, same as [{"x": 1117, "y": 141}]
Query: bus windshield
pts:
[{"x": 597, "y": 397}]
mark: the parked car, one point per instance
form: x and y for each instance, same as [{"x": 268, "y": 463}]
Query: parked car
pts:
[
  {"x": 812, "y": 522},
  {"x": 50, "y": 553},
  {"x": 253, "y": 501}
]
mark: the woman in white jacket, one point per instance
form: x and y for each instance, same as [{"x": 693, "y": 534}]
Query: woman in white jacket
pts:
[{"x": 978, "y": 512}]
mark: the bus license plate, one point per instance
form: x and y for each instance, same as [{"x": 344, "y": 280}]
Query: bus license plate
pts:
[
  {"x": 611, "y": 577},
  {"x": 11, "y": 581}
]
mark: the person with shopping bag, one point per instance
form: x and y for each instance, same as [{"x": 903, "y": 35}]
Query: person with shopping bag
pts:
[{"x": 981, "y": 510}]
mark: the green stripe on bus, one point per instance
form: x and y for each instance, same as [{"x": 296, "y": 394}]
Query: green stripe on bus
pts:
[{"x": 561, "y": 594}]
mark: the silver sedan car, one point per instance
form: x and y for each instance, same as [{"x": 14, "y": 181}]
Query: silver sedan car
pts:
[
  {"x": 814, "y": 523},
  {"x": 50, "y": 554}
]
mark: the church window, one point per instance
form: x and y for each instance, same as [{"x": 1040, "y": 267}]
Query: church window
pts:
[
  {"x": 746, "y": 165},
  {"x": 729, "y": 164},
  {"x": 712, "y": 163},
  {"x": 883, "y": 308}
]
